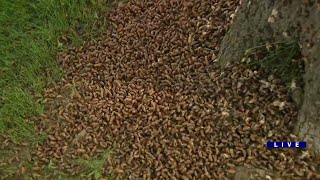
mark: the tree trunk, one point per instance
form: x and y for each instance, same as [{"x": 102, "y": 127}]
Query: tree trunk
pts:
[{"x": 262, "y": 21}]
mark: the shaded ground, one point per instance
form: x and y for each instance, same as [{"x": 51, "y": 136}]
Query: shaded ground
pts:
[
  {"x": 149, "y": 96},
  {"x": 265, "y": 22}
]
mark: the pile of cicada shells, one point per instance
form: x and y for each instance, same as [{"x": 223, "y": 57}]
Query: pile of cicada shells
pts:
[{"x": 149, "y": 92}]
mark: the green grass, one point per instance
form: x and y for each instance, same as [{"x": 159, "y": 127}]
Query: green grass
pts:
[
  {"x": 90, "y": 168},
  {"x": 282, "y": 59},
  {"x": 93, "y": 167},
  {"x": 31, "y": 33}
]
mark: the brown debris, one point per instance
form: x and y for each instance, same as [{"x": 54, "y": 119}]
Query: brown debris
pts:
[{"x": 149, "y": 89}]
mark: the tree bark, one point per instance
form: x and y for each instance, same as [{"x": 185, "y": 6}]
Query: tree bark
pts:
[{"x": 262, "y": 21}]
